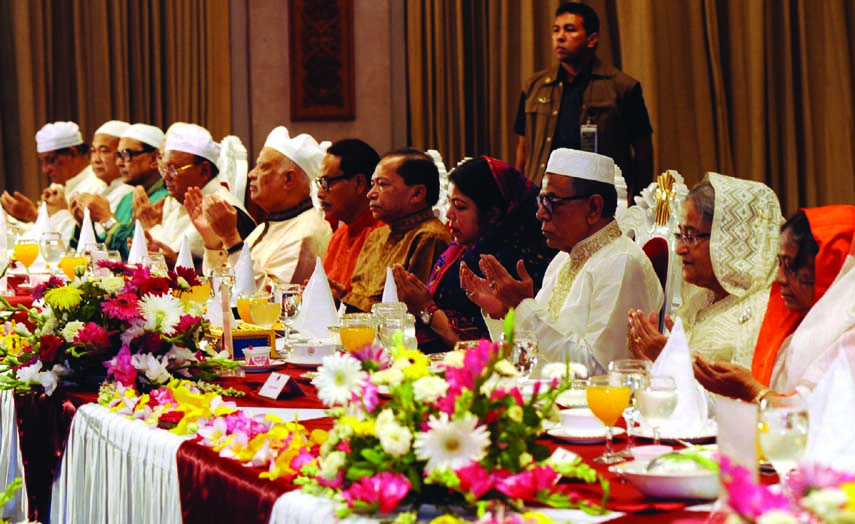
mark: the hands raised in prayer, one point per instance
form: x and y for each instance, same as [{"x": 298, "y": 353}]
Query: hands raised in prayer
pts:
[
  {"x": 19, "y": 206},
  {"x": 194, "y": 205},
  {"x": 726, "y": 379},
  {"x": 54, "y": 198},
  {"x": 156, "y": 246},
  {"x": 498, "y": 291},
  {"x": 147, "y": 213},
  {"x": 642, "y": 333},
  {"x": 411, "y": 291},
  {"x": 99, "y": 207}
]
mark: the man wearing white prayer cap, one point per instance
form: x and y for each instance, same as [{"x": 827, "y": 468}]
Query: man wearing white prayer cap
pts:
[
  {"x": 138, "y": 156},
  {"x": 64, "y": 158},
  {"x": 598, "y": 275},
  {"x": 284, "y": 247},
  {"x": 190, "y": 163}
]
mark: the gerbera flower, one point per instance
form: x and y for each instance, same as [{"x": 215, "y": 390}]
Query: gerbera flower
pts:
[
  {"x": 122, "y": 307},
  {"x": 64, "y": 298},
  {"x": 161, "y": 312},
  {"x": 338, "y": 378},
  {"x": 452, "y": 444}
]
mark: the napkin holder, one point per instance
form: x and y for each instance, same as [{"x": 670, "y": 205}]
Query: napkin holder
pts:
[{"x": 243, "y": 335}]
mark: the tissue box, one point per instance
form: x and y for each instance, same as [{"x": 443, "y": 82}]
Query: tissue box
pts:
[{"x": 243, "y": 336}]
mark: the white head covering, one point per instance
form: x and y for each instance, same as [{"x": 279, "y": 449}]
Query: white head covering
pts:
[
  {"x": 113, "y": 128},
  {"x": 302, "y": 149},
  {"x": 58, "y": 135},
  {"x": 581, "y": 164},
  {"x": 146, "y": 134},
  {"x": 193, "y": 139}
]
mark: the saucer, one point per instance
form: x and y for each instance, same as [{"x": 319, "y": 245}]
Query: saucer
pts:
[
  {"x": 274, "y": 364},
  {"x": 575, "y": 436},
  {"x": 306, "y": 364}
]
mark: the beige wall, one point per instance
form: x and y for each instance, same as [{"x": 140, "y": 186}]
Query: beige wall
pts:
[{"x": 260, "y": 63}]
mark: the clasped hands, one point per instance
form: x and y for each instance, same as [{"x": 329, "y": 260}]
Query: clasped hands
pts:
[
  {"x": 214, "y": 218},
  {"x": 497, "y": 291}
]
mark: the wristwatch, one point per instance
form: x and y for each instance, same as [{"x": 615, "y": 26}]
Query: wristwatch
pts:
[
  {"x": 109, "y": 224},
  {"x": 426, "y": 315}
]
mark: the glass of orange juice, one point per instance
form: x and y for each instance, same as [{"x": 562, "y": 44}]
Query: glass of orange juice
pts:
[
  {"x": 245, "y": 298},
  {"x": 607, "y": 398},
  {"x": 357, "y": 331},
  {"x": 73, "y": 263},
  {"x": 264, "y": 313},
  {"x": 26, "y": 251}
]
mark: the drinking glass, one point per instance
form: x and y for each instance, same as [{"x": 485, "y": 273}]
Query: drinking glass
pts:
[
  {"x": 524, "y": 353},
  {"x": 389, "y": 320},
  {"x": 52, "y": 248},
  {"x": 265, "y": 313},
  {"x": 634, "y": 373},
  {"x": 357, "y": 331},
  {"x": 114, "y": 256},
  {"x": 198, "y": 294},
  {"x": 26, "y": 251},
  {"x": 245, "y": 299},
  {"x": 155, "y": 262},
  {"x": 73, "y": 264},
  {"x": 783, "y": 433},
  {"x": 607, "y": 398},
  {"x": 290, "y": 298},
  {"x": 657, "y": 402}
]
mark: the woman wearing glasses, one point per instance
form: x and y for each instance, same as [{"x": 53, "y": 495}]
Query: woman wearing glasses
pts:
[
  {"x": 492, "y": 212},
  {"x": 814, "y": 244},
  {"x": 727, "y": 243}
]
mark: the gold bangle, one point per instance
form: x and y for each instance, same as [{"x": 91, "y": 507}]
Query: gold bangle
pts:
[{"x": 762, "y": 394}]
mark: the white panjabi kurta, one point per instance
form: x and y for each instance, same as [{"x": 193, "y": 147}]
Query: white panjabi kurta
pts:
[
  {"x": 176, "y": 222},
  {"x": 612, "y": 275},
  {"x": 84, "y": 182},
  {"x": 285, "y": 253}
]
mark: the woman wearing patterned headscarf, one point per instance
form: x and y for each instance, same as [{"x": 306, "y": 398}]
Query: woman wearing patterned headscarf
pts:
[{"x": 492, "y": 211}]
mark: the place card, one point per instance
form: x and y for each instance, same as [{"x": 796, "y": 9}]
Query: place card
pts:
[{"x": 279, "y": 384}]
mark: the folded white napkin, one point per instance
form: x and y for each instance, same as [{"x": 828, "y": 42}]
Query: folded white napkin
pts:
[
  {"x": 87, "y": 232},
  {"x": 42, "y": 224},
  {"x": 390, "y": 290},
  {"x": 244, "y": 274},
  {"x": 676, "y": 361},
  {"x": 317, "y": 309},
  {"x": 831, "y": 408},
  {"x": 138, "y": 245},
  {"x": 185, "y": 259}
]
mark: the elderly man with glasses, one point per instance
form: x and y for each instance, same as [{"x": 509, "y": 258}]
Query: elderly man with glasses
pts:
[{"x": 598, "y": 275}]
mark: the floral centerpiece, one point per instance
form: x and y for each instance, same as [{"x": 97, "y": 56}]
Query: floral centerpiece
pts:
[
  {"x": 454, "y": 435},
  {"x": 128, "y": 325},
  {"x": 813, "y": 493}
]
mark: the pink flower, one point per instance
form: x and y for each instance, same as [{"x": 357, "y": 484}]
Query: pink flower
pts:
[
  {"x": 53, "y": 281},
  {"x": 187, "y": 324},
  {"x": 474, "y": 479},
  {"x": 528, "y": 484},
  {"x": 369, "y": 396},
  {"x": 745, "y": 497},
  {"x": 122, "y": 307},
  {"x": 303, "y": 457},
  {"x": 187, "y": 273},
  {"x": 121, "y": 368},
  {"x": 117, "y": 268},
  {"x": 372, "y": 358},
  {"x": 386, "y": 489},
  {"x": 92, "y": 335}
]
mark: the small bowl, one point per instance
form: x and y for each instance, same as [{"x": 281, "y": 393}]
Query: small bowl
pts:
[
  {"x": 580, "y": 420},
  {"x": 311, "y": 353},
  {"x": 697, "y": 484},
  {"x": 257, "y": 356},
  {"x": 649, "y": 452}
]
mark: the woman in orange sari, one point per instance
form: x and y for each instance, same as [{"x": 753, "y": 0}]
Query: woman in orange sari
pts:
[{"x": 814, "y": 244}]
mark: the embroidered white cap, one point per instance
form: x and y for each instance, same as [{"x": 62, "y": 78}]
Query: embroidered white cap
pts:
[
  {"x": 581, "y": 164},
  {"x": 146, "y": 134},
  {"x": 302, "y": 149},
  {"x": 113, "y": 128},
  {"x": 58, "y": 135},
  {"x": 193, "y": 139}
]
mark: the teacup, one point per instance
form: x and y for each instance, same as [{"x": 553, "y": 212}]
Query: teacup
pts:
[
  {"x": 580, "y": 420},
  {"x": 257, "y": 356}
]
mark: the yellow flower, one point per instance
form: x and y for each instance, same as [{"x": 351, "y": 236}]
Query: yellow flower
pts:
[
  {"x": 413, "y": 363},
  {"x": 537, "y": 517},
  {"x": 849, "y": 489},
  {"x": 447, "y": 519},
  {"x": 65, "y": 297},
  {"x": 362, "y": 428}
]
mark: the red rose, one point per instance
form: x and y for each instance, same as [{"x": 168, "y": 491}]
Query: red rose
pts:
[
  {"x": 48, "y": 347},
  {"x": 170, "y": 419}
]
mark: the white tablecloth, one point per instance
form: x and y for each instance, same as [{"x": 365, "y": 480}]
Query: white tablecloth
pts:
[{"x": 11, "y": 463}]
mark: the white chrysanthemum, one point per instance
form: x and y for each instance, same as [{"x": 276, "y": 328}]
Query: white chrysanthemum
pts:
[
  {"x": 429, "y": 389},
  {"x": 112, "y": 285},
  {"x": 395, "y": 440},
  {"x": 331, "y": 465},
  {"x": 452, "y": 444},
  {"x": 161, "y": 312},
  {"x": 454, "y": 359},
  {"x": 384, "y": 419},
  {"x": 559, "y": 370},
  {"x": 339, "y": 376},
  {"x": 70, "y": 330},
  {"x": 391, "y": 377}
]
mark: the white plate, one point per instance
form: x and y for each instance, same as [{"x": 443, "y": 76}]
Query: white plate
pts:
[
  {"x": 698, "y": 484},
  {"x": 576, "y": 437},
  {"x": 302, "y": 363},
  {"x": 707, "y": 432},
  {"x": 274, "y": 364}
]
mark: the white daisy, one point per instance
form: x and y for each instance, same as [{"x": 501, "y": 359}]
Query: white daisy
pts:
[
  {"x": 452, "y": 444},
  {"x": 339, "y": 376},
  {"x": 395, "y": 440},
  {"x": 161, "y": 312},
  {"x": 429, "y": 389}
]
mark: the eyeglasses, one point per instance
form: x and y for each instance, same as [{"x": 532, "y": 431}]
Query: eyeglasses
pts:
[
  {"x": 794, "y": 272},
  {"x": 548, "y": 202},
  {"x": 326, "y": 182},
  {"x": 690, "y": 239},
  {"x": 128, "y": 155},
  {"x": 173, "y": 171}
]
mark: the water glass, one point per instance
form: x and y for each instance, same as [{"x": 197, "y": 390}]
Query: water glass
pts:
[
  {"x": 52, "y": 248},
  {"x": 607, "y": 398},
  {"x": 657, "y": 401},
  {"x": 290, "y": 298},
  {"x": 524, "y": 353},
  {"x": 634, "y": 373},
  {"x": 389, "y": 320},
  {"x": 783, "y": 432},
  {"x": 155, "y": 262}
]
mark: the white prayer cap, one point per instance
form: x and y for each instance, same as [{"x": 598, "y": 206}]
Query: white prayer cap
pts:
[
  {"x": 146, "y": 134},
  {"x": 581, "y": 164},
  {"x": 58, "y": 135},
  {"x": 302, "y": 149},
  {"x": 193, "y": 139},
  {"x": 112, "y": 128}
]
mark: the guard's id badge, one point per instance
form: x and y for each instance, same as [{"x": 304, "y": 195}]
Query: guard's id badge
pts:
[{"x": 588, "y": 137}]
